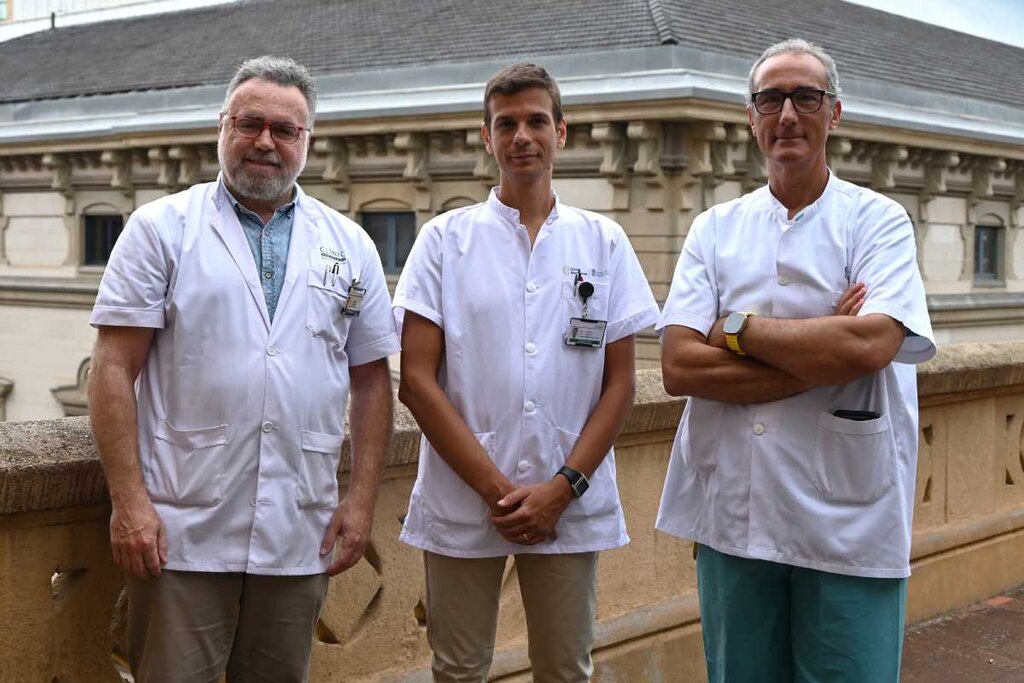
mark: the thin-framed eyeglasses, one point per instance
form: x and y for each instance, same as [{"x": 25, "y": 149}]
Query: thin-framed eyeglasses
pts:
[
  {"x": 805, "y": 100},
  {"x": 251, "y": 127}
]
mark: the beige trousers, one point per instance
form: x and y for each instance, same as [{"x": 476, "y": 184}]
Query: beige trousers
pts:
[
  {"x": 560, "y": 599},
  {"x": 190, "y": 627}
]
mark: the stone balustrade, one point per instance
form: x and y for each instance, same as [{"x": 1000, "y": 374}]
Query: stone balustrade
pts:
[{"x": 60, "y": 590}]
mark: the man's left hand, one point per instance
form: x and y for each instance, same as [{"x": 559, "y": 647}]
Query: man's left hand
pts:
[
  {"x": 351, "y": 522},
  {"x": 533, "y": 511}
]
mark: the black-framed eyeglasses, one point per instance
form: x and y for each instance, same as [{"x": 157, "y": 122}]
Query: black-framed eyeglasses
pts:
[
  {"x": 251, "y": 127},
  {"x": 805, "y": 100}
]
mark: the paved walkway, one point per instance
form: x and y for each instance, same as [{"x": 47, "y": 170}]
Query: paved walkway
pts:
[{"x": 983, "y": 642}]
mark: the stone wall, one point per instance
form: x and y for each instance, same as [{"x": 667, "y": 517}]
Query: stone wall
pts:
[{"x": 60, "y": 589}]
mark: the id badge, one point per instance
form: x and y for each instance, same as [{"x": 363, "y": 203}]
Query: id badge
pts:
[
  {"x": 585, "y": 332},
  {"x": 354, "y": 301}
]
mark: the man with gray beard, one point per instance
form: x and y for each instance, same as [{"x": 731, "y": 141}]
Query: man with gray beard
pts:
[{"x": 234, "y": 318}]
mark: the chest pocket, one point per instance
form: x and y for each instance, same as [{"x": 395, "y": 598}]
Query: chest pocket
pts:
[
  {"x": 572, "y": 304},
  {"x": 325, "y": 300}
]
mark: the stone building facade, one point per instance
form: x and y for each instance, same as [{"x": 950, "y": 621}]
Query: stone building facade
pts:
[{"x": 657, "y": 133}]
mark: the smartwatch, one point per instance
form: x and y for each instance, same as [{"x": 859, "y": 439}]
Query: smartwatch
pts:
[
  {"x": 577, "y": 481},
  {"x": 734, "y": 325}
]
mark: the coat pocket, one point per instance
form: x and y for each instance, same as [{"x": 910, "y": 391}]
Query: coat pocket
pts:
[
  {"x": 854, "y": 461},
  {"x": 317, "y": 470},
  {"x": 699, "y": 439},
  {"x": 602, "y": 497},
  {"x": 185, "y": 468},
  {"x": 325, "y": 299},
  {"x": 446, "y": 497}
]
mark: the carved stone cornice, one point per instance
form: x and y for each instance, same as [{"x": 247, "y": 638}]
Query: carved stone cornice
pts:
[
  {"x": 336, "y": 166},
  {"x": 416, "y": 147},
  {"x": 485, "y": 169},
  {"x": 614, "y": 145},
  {"x": 120, "y": 164},
  {"x": 883, "y": 160},
  {"x": 647, "y": 135},
  {"x": 188, "y": 158},
  {"x": 981, "y": 177}
]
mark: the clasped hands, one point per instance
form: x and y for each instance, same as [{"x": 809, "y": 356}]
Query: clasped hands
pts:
[{"x": 528, "y": 515}]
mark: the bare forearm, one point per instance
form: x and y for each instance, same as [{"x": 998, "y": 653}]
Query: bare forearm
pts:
[
  {"x": 720, "y": 375},
  {"x": 827, "y": 350},
  {"x": 371, "y": 419},
  {"x": 114, "y": 417},
  {"x": 448, "y": 433}
]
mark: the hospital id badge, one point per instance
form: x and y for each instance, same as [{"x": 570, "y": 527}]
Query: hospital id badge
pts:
[
  {"x": 585, "y": 332},
  {"x": 354, "y": 301}
]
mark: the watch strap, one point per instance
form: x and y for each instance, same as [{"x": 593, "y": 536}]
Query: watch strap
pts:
[
  {"x": 577, "y": 480},
  {"x": 733, "y": 340}
]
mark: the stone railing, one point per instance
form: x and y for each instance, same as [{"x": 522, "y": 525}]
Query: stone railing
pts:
[{"x": 60, "y": 590}]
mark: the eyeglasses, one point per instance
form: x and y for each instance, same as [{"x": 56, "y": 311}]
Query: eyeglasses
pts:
[
  {"x": 252, "y": 128},
  {"x": 805, "y": 100}
]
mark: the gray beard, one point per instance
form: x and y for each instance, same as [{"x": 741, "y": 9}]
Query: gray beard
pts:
[{"x": 256, "y": 186}]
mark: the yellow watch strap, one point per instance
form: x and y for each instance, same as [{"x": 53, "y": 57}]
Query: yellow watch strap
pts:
[{"x": 733, "y": 342}]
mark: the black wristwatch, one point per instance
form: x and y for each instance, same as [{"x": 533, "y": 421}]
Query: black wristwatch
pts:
[{"x": 577, "y": 481}]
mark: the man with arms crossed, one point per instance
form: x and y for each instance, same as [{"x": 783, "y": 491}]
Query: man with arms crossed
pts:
[
  {"x": 245, "y": 310},
  {"x": 518, "y": 363},
  {"x": 793, "y": 323}
]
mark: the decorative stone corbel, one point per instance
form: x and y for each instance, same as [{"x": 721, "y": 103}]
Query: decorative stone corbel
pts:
[
  {"x": 936, "y": 171},
  {"x": 120, "y": 164},
  {"x": 4, "y": 220},
  {"x": 60, "y": 165},
  {"x": 615, "y": 164},
  {"x": 882, "y": 166},
  {"x": 838, "y": 149},
  {"x": 416, "y": 146},
  {"x": 700, "y": 162},
  {"x": 188, "y": 164},
  {"x": 166, "y": 168},
  {"x": 336, "y": 168},
  {"x": 485, "y": 169},
  {"x": 981, "y": 178},
  {"x": 648, "y": 138}
]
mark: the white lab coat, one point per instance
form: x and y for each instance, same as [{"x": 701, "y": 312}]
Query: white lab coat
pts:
[
  {"x": 241, "y": 421},
  {"x": 507, "y": 370},
  {"x": 787, "y": 481}
]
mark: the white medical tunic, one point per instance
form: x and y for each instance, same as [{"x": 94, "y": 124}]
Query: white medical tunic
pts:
[
  {"x": 504, "y": 309},
  {"x": 241, "y": 420},
  {"x": 788, "y": 481}
]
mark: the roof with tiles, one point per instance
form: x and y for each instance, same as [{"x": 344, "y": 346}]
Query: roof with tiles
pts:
[{"x": 203, "y": 47}]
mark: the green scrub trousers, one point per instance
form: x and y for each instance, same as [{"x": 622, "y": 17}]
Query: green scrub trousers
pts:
[{"x": 767, "y": 622}]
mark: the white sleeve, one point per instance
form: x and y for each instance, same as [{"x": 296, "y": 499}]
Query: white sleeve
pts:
[
  {"x": 885, "y": 259},
  {"x": 372, "y": 335},
  {"x": 631, "y": 305},
  {"x": 419, "y": 286},
  {"x": 133, "y": 290},
  {"x": 693, "y": 297}
]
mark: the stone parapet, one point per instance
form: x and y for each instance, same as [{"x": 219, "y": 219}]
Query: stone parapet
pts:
[{"x": 60, "y": 588}]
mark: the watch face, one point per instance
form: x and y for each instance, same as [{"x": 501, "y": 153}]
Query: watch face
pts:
[{"x": 734, "y": 323}]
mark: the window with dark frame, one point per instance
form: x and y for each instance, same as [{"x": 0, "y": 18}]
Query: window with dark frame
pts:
[
  {"x": 986, "y": 253},
  {"x": 393, "y": 233},
  {"x": 101, "y": 231}
]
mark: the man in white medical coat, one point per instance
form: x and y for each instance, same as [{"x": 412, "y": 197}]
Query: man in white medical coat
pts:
[
  {"x": 793, "y": 322},
  {"x": 517, "y": 361},
  {"x": 234, "y": 318}
]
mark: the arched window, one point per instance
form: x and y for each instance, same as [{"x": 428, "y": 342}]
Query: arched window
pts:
[
  {"x": 392, "y": 226},
  {"x": 101, "y": 226}
]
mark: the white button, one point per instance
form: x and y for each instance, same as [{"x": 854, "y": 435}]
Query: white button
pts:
[
  {"x": 530, "y": 406},
  {"x": 531, "y": 287},
  {"x": 759, "y": 429},
  {"x": 523, "y": 465},
  {"x": 784, "y": 280},
  {"x": 271, "y": 350},
  {"x": 531, "y": 348},
  {"x": 267, "y": 426},
  {"x": 252, "y": 502}
]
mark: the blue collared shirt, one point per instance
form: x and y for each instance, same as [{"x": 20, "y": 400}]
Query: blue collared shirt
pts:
[{"x": 269, "y": 246}]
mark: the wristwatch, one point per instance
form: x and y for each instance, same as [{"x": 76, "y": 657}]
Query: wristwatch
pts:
[
  {"x": 577, "y": 481},
  {"x": 734, "y": 325}
]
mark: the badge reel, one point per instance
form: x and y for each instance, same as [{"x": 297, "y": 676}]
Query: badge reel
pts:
[
  {"x": 354, "y": 300},
  {"x": 583, "y": 331}
]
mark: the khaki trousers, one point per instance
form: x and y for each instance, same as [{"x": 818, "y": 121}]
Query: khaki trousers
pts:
[
  {"x": 560, "y": 599},
  {"x": 190, "y": 627}
]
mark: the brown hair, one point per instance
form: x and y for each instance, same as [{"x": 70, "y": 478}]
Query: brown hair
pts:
[{"x": 518, "y": 77}]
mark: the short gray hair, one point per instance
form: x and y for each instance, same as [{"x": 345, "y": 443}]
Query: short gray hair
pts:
[
  {"x": 282, "y": 71},
  {"x": 797, "y": 46}
]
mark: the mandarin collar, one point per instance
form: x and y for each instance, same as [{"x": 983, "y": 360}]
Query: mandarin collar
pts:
[
  {"x": 512, "y": 215},
  {"x": 781, "y": 213},
  {"x": 224, "y": 194}
]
